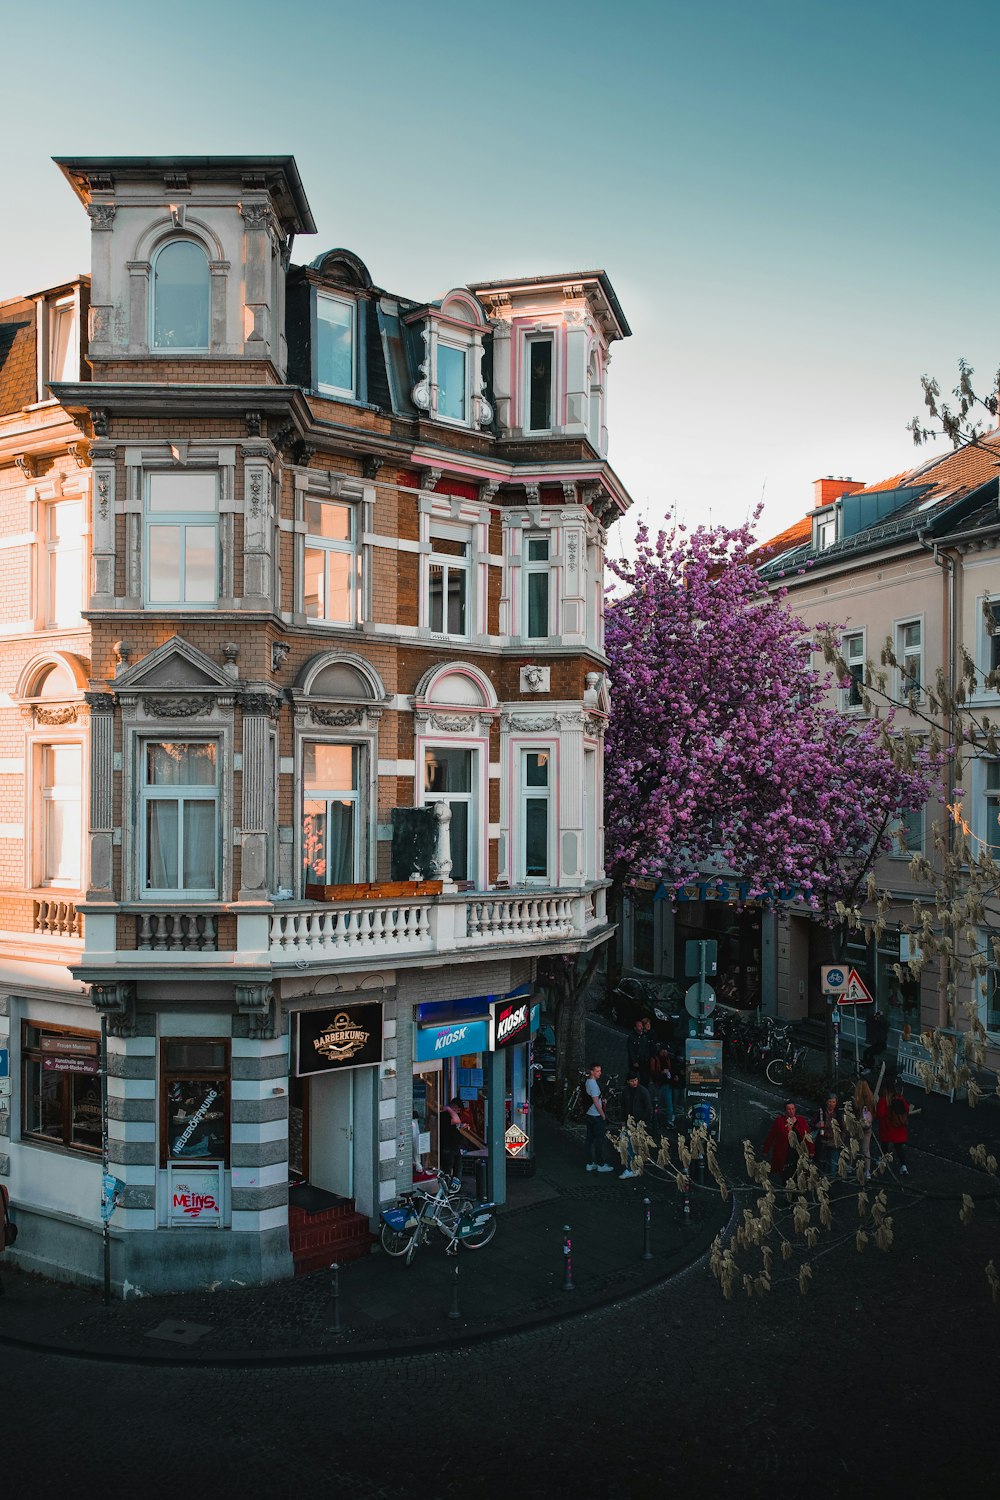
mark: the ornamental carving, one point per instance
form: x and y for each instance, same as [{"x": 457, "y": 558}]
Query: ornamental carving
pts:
[
  {"x": 260, "y": 705},
  {"x": 279, "y": 650},
  {"x": 256, "y": 215},
  {"x": 456, "y": 723},
  {"x": 336, "y": 718},
  {"x": 102, "y": 215},
  {"x": 55, "y": 715},
  {"x": 251, "y": 420},
  {"x": 535, "y": 679},
  {"x": 528, "y": 725},
  {"x": 572, "y": 551},
  {"x": 99, "y": 422},
  {"x": 256, "y": 491},
  {"x": 175, "y": 708},
  {"x": 100, "y": 703},
  {"x": 370, "y": 466}
]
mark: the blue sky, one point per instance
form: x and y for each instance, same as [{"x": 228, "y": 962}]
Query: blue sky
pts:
[{"x": 794, "y": 201}]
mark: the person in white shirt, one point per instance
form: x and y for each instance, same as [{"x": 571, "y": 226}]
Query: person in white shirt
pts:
[{"x": 597, "y": 1124}]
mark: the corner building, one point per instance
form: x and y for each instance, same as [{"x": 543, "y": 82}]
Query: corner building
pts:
[{"x": 286, "y": 555}]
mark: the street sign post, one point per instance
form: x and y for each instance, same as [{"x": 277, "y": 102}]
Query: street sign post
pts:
[
  {"x": 834, "y": 979},
  {"x": 701, "y": 957},
  {"x": 856, "y": 992}
]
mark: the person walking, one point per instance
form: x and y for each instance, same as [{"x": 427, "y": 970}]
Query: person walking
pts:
[
  {"x": 876, "y": 1033},
  {"x": 864, "y": 1109},
  {"x": 829, "y": 1122},
  {"x": 663, "y": 1085},
  {"x": 778, "y": 1143},
  {"x": 891, "y": 1113},
  {"x": 637, "y": 1105},
  {"x": 638, "y": 1051},
  {"x": 597, "y": 1123}
]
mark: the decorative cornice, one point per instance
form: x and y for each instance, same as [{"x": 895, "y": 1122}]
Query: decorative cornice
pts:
[
  {"x": 100, "y": 703},
  {"x": 336, "y": 718},
  {"x": 175, "y": 708},
  {"x": 27, "y": 464},
  {"x": 67, "y": 715}
]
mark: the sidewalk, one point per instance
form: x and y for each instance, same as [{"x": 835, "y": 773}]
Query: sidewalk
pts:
[{"x": 386, "y": 1308}]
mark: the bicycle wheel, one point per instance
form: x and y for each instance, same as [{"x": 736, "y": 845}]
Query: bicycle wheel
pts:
[
  {"x": 482, "y": 1234},
  {"x": 776, "y": 1071},
  {"x": 394, "y": 1241}
]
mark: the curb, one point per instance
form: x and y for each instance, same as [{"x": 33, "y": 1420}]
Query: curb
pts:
[{"x": 373, "y": 1353}]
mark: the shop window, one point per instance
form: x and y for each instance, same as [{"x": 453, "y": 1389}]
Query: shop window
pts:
[
  {"x": 182, "y": 538},
  {"x": 452, "y": 383},
  {"x": 535, "y": 817},
  {"x": 536, "y": 588},
  {"x": 62, "y": 581},
  {"x": 908, "y": 833},
  {"x": 331, "y": 562},
  {"x": 910, "y": 659},
  {"x": 195, "y": 1100},
  {"x": 852, "y": 649},
  {"x": 180, "y": 819},
  {"x": 540, "y": 370},
  {"x": 335, "y": 345},
  {"x": 448, "y": 584},
  {"x": 331, "y": 835},
  {"x": 61, "y": 1098},
  {"x": 181, "y": 296},
  {"x": 58, "y": 823},
  {"x": 449, "y": 777}
]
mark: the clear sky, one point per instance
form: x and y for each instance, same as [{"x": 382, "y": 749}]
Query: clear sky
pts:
[{"x": 796, "y": 202}]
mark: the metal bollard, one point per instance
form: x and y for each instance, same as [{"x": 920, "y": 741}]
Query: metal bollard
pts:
[
  {"x": 454, "y": 1310},
  {"x": 687, "y": 1200},
  {"x": 335, "y": 1325},
  {"x": 567, "y": 1285},
  {"x": 647, "y": 1229}
]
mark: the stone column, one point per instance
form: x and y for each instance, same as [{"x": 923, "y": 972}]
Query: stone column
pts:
[
  {"x": 100, "y": 886},
  {"x": 260, "y": 712},
  {"x": 138, "y": 306},
  {"x": 257, "y": 323},
  {"x": 258, "y": 527},
  {"x": 577, "y": 382},
  {"x": 101, "y": 318},
  {"x": 570, "y": 870},
  {"x": 102, "y": 565},
  {"x": 574, "y": 573}
]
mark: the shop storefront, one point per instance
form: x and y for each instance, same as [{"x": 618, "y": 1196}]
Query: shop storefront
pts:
[
  {"x": 476, "y": 1051},
  {"x": 332, "y": 1099}
]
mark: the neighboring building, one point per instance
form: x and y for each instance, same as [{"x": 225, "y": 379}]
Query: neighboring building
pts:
[
  {"x": 911, "y": 561},
  {"x": 284, "y": 553}
]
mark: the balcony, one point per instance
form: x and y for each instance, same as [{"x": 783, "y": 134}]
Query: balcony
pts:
[{"x": 456, "y": 924}]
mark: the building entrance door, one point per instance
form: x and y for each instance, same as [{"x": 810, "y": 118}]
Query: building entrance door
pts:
[{"x": 331, "y": 1132}]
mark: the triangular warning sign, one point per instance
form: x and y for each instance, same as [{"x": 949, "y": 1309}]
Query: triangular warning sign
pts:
[{"x": 857, "y": 992}]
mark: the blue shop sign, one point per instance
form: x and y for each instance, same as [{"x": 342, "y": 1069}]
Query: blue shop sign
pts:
[{"x": 451, "y": 1039}]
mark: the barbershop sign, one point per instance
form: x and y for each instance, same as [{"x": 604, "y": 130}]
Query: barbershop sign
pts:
[{"x": 349, "y": 1036}]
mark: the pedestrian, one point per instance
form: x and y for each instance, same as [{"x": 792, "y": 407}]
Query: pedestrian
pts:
[
  {"x": 664, "y": 1087},
  {"x": 864, "y": 1109},
  {"x": 597, "y": 1123},
  {"x": 877, "y": 1033},
  {"x": 778, "y": 1144},
  {"x": 454, "y": 1134},
  {"x": 891, "y": 1112},
  {"x": 828, "y": 1129},
  {"x": 638, "y": 1050},
  {"x": 8, "y": 1229},
  {"x": 637, "y": 1105}
]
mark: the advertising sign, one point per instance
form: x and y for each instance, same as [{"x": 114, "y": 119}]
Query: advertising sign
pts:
[
  {"x": 331, "y": 1040},
  {"x": 510, "y": 1022},
  {"x": 194, "y": 1195},
  {"x": 452, "y": 1040},
  {"x": 515, "y": 1140},
  {"x": 703, "y": 1056}
]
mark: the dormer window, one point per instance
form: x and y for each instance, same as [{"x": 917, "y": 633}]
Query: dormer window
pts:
[
  {"x": 453, "y": 383},
  {"x": 64, "y": 348},
  {"x": 181, "y": 297},
  {"x": 335, "y": 344},
  {"x": 451, "y": 386},
  {"x": 540, "y": 369},
  {"x": 825, "y": 530}
]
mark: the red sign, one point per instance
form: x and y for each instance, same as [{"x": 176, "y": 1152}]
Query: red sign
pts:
[
  {"x": 857, "y": 992},
  {"x": 70, "y": 1065}
]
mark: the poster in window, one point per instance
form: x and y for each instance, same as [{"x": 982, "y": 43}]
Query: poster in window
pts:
[{"x": 196, "y": 1119}]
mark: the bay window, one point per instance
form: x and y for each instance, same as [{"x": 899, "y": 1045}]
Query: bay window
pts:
[
  {"x": 182, "y": 537},
  {"x": 179, "y": 818},
  {"x": 331, "y": 562},
  {"x": 331, "y": 822},
  {"x": 539, "y": 383}
]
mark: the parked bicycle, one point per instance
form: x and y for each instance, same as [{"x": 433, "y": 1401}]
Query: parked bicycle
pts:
[
  {"x": 461, "y": 1222},
  {"x": 787, "y": 1057}
]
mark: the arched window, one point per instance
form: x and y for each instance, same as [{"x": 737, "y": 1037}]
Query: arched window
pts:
[
  {"x": 180, "y": 296},
  {"x": 54, "y": 682}
]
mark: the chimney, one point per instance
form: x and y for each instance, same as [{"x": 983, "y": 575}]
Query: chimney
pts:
[{"x": 825, "y": 491}]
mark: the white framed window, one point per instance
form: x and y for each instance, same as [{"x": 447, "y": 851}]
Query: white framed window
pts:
[
  {"x": 63, "y": 577},
  {"x": 990, "y": 654},
  {"x": 536, "y": 821},
  {"x": 63, "y": 352},
  {"x": 331, "y": 568},
  {"x": 331, "y": 813},
  {"x": 910, "y": 658},
  {"x": 825, "y": 530},
  {"x": 539, "y": 383},
  {"x": 452, "y": 383},
  {"x": 908, "y": 833},
  {"x": 181, "y": 538},
  {"x": 335, "y": 345},
  {"x": 536, "y": 588},
  {"x": 450, "y": 775},
  {"x": 449, "y": 605},
  {"x": 57, "y": 854},
  {"x": 181, "y": 296},
  {"x": 179, "y": 818},
  {"x": 991, "y": 808},
  {"x": 852, "y": 649}
]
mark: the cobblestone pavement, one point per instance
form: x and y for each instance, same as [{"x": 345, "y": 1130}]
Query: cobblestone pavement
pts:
[{"x": 882, "y": 1378}]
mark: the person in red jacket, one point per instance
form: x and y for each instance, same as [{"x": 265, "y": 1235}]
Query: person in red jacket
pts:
[
  {"x": 778, "y": 1143},
  {"x": 891, "y": 1112}
]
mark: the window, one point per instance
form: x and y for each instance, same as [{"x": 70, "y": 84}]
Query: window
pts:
[
  {"x": 992, "y": 1018},
  {"x": 63, "y": 352},
  {"x": 61, "y": 1099},
  {"x": 448, "y": 777},
  {"x": 63, "y": 580},
  {"x": 331, "y": 562},
  {"x": 180, "y": 297},
  {"x": 539, "y": 385},
  {"x": 826, "y": 531},
  {"x": 331, "y": 841},
  {"x": 535, "y": 813},
  {"x": 536, "y": 588},
  {"x": 195, "y": 1095},
  {"x": 991, "y": 833},
  {"x": 59, "y": 825},
  {"x": 55, "y": 682},
  {"x": 182, "y": 537},
  {"x": 453, "y": 383},
  {"x": 180, "y": 797},
  {"x": 335, "y": 340},
  {"x": 992, "y": 624},
  {"x": 448, "y": 585},
  {"x": 908, "y": 833},
  {"x": 852, "y": 648},
  {"x": 909, "y": 655}
]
